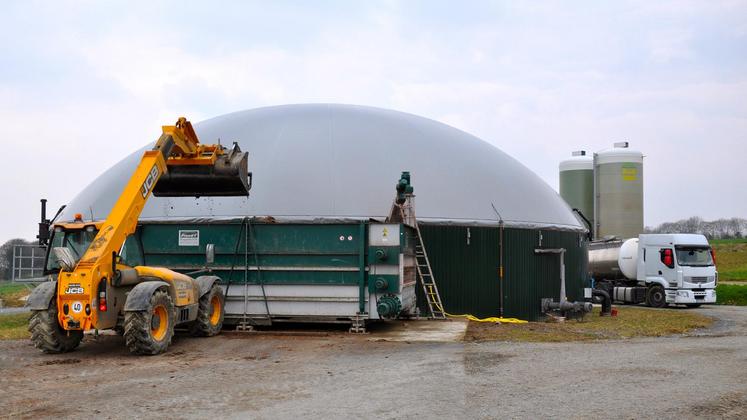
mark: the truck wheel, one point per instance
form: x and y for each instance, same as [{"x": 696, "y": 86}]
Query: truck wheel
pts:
[
  {"x": 693, "y": 305},
  {"x": 47, "y": 334},
  {"x": 210, "y": 314},
  {"x": 150, "y": 331},
  {"x": 656, "y": 297}
]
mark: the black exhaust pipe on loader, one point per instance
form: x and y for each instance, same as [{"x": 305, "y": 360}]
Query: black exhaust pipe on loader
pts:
[
  {"x": 44, "y": 224},
  {"x": 228, "y": 177}
]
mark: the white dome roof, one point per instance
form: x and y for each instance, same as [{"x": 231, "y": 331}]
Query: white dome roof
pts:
[{"x": 323, "y": 161}]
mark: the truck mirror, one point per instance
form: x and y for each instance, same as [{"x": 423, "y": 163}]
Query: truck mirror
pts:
[{"x": 209, "y": 254}]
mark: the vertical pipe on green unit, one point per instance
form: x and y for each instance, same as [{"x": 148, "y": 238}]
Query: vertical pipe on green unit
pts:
[
  {"x": 246, "y": 273},
  {"x": 253, "y": 239},
  {"x": 235, "y": 254},
  {"x": 362, "y": 268},
  {"x": 500, "y": 267}
]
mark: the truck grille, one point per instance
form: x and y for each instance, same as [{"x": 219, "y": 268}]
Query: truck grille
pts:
[{"x": 699, "y": 280}]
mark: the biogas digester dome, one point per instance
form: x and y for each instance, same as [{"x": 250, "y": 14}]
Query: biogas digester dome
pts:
[{"x": 323, "y": 163}]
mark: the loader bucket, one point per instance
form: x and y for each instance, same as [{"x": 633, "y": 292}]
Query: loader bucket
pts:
[{"x": 227, "y": 177}]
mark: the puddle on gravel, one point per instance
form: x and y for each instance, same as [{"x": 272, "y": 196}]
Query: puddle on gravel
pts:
[{"x": 475, "y": 363}]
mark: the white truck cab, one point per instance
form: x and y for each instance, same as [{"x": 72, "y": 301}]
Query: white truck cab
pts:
[{"x": 676, "y": 269}]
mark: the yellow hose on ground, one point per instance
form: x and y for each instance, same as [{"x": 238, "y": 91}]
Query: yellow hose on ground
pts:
[{"x": 493, "y": 319}]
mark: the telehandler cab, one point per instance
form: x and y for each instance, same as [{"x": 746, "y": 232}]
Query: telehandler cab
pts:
[{"x": 94, "y": 290}]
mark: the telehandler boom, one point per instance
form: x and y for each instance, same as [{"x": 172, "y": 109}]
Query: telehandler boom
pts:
[{"x": 94, "y": 290}]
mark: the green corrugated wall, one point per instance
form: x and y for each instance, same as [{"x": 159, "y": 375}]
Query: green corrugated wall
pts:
[{"x": 467, "y": 273}]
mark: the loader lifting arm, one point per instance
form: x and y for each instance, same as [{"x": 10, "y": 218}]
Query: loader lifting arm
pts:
[
  {"x": 177, "y": 150},
  {"x": 178, "y": 165}
]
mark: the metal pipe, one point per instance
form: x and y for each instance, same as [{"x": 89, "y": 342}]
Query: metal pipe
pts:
[
  {"x": 500, "y": 260},
  {"x": 595, "y": 233},
  {"x": 563, "y": 296},
  {"x": 567, "y": 306},
  {"x": 563, "y": 304},
  {"x": 250, "y": 229},
  {"x": 235, "y": 254},
  {"x": 43, "y": 235},
  {"x": 43, "y": 210},
  {"x": 606, "y": 300},
  {"x": 362, "y": 268},
  {"x": 589, "y": 235},
  {"x": 246, "y": 271},
  {"x": 500, "y": 267}
]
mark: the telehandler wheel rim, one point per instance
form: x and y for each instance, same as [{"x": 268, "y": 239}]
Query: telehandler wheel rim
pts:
[
  {"x": 159, "y": 323},
  {"x": 216, "y": 309}
]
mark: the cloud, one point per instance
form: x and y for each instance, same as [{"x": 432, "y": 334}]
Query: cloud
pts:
[
  {"x": 93, "y": 82},
  {"x": 668, "y": 46}
]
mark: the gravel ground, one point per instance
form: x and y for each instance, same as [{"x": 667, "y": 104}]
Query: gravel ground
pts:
[{"x": 336, "y": 375}]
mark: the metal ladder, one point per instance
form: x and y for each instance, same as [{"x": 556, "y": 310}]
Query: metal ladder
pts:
[
  {"x": 405, "y": 213},
  {"x": 430, "y": 289}
]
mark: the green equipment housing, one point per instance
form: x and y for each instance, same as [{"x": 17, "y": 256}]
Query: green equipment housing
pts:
[{"x": 289, "y": 271}]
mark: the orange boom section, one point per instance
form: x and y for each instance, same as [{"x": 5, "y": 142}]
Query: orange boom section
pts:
[{"x": 178, "y": 165}]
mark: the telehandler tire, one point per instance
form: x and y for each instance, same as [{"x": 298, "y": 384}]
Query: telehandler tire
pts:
[
  {"x": 210, "y": 313},
  {"x": 150, "y": 331},
  {"x": 47, "y": 334}
]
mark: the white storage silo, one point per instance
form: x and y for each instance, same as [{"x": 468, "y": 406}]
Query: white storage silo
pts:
[
  {"x": 577, "y": 184},
  {"x": 618, "y": 182}
]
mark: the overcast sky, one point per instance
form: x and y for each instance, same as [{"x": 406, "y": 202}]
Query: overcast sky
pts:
[{"x": 83, "y": 84}]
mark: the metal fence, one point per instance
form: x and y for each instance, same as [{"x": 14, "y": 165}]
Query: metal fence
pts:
[{"x": 28, "y": 262}]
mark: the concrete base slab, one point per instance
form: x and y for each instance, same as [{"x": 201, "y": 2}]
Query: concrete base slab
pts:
[{"x": 451, "y": 330}]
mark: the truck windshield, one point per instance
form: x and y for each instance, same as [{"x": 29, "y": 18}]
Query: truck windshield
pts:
[
  {"x": 75, "y": 240},
  {"x": 695, "y": 256}
]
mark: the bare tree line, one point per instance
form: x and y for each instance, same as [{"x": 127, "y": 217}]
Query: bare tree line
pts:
[{"x": 735, "y": 227}]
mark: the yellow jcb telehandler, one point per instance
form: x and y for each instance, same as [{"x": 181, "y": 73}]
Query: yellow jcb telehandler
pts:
[{"x": 94, "y": 290}]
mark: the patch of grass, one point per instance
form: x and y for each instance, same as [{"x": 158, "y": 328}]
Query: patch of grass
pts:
[
  {"x": 14, "y": 326},
  {"x": 731, "y": 259},
  {"x": 11, "y": 294},
  {"x": 736, "y": 276},
  {"x": 727, "y": 241},
  {"x": 731, "y": 294},
  {"x": 630, "y": 322}
]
